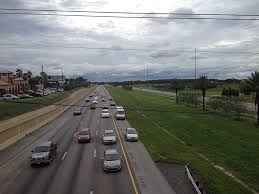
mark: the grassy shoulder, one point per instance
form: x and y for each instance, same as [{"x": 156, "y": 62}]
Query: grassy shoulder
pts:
[
  {"x": 224, "y": 141},
  {"x": 9, "y": 109}
]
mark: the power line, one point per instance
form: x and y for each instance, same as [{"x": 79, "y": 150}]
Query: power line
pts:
[
  {"x": 129, "y": 17},
  {"x": 125, "y": 49},
  {"x": 128, "y": 12}
]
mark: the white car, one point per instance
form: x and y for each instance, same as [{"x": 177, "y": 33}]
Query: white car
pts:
[
  {"x": 131, "y": 134},
  {"x": 109, "y": 137},
  {"x": 95, "y": 102},
  {"x": 119, "y": 107},
  {"x": 120, "y": 114},
  {"x": 9, "y": 97},
  {"x": 105, "y": 113}
]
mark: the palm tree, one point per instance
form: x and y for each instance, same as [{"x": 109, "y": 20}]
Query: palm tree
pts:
[
  {"x": 253, "y": 82},
  {"x": 176, "y": 85},
  {"x": 19, "y": 73},
  {"x": 203, "y": 84},
  {"x": 29, "y": 74}
]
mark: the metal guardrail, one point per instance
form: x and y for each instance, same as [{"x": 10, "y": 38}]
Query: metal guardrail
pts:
[{"x": 192, "y": 180}]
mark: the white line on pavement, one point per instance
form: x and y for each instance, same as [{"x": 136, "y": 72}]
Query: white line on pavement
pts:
[
  {"x": 96, "y": 133},
  {"x": 64, "y": 155},
  {"x": 94, "y": 153},
  {"x": 91, "y": 192},
  {"x": 75, "y": 134}
]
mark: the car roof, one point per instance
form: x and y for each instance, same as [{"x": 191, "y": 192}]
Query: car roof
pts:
[
  {"x": 105, "y": 110},
  {"x": 47, "y": 143},
  {"x": 108, "y": 131},
  {"x": 120, "y": 109},
  {"x": 111, "y": 151},
  {"x": 131, "y": 128},
  {"x": 84, "y": 129}
]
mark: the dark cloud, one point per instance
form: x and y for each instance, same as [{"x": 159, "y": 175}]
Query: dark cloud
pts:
[
  {"x": 117, "y": 64},
  {"x": 163, "y": 54}
]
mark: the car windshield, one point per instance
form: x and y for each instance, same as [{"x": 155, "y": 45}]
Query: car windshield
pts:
[
  {"x": 112, "y": 157},
  {"x": 120, "y": 112},
  {"x": 77, "y": 109},
  {"x": 131, "y": 131},
  {"x": 111, "y": 133},
  {"x": 83, "y": 133},
  {"x": 41, "y": 149}
]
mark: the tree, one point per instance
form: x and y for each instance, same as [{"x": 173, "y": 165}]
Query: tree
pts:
[
  {"x": 29, "y": 74},
  {"x": 34, "y": 81},
  {"x": 44, "y": 79},
  {"x": 19, "y": 73},
  {"x": 202, "y": 83},
  {"x": 176, "y": 85},
  {"x": 253, "y": 82}
]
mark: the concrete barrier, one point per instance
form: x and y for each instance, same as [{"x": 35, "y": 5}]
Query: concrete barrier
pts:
[{"x": 14, "y": 129}]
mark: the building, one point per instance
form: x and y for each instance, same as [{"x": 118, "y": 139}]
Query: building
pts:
[
  {"x": 9, "y": 84},
  {"x": 53, "y": 79}
]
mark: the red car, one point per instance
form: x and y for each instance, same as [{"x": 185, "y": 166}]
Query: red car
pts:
[{"x": 84, "y": 135}]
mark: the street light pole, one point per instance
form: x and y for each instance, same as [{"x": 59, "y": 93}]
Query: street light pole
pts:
[{"x": 42, "y": 79}]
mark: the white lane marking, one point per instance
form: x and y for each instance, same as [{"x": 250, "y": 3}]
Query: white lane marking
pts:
[
  {"x": 97, "y": 121},
  {"x": 64, "y": 155},
  {"x": 96, "y": 133},
  {"x": 75, "y": 134},
  {"x": 91, "y": 192},
  {"x": 94, "y": 153}
]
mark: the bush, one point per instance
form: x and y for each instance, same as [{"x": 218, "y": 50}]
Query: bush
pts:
[
  {"x": 230, "y": 92},
  {"x": 228, "y": 105},
  {"x": 192, "y": 99}
]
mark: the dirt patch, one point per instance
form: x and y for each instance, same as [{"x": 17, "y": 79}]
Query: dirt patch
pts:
[{"x": 176, "y": 176}]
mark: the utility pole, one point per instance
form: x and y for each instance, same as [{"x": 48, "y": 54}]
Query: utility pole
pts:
[
  {"x": 195, "y": 68},
  {"x": 195, "y": 63},
  {"x": 62, "y": 78},
  {"x": 42, "y": 79},
  {"x": 147, "y": 72}
]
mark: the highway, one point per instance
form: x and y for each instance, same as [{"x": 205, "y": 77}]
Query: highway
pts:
[{"x": 77, "y": 168}]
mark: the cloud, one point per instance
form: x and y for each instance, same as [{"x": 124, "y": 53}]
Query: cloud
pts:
[
  {"x": 156, "y": 34},
  {"x": 164, "y": 54}
]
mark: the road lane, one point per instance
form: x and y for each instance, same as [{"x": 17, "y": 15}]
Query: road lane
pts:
[
  {"x": 31, "y": 180},
  {"x": 149, "y": 178},
  {"x": 77, "y": 168},
  {"x": 112, "y": 182}
]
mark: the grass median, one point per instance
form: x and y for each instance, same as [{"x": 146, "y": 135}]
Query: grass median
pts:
[
  {"x": 11, "y": 109},
  {"x": 223, "y": 141}
]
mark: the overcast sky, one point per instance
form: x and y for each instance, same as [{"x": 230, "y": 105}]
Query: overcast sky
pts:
[{"x": 107, "y": 65}]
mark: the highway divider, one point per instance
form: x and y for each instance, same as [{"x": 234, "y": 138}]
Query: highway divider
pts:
[{"x": 15, "y": 128}]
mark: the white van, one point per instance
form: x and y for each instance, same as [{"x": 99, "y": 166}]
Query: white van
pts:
[{"x": 120, "y": 114}]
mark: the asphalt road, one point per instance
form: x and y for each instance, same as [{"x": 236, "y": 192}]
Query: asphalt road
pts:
[{"x": 77, "y": 168}]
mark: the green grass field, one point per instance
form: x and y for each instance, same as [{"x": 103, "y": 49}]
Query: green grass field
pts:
[
  {"x": 231, "y": 144},
  {"x": 210, "y": 92},
  {"x": 9, "y": 109}
]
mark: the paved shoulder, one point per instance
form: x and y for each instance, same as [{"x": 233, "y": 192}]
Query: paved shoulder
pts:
[{"x": 149, "y": 177}]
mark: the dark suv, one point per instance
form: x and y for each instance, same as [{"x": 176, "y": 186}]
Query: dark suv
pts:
[{"x": 44, "y": 153}]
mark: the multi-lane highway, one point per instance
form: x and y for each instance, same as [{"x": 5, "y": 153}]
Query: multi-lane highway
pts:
[{"x": 77, "y": 168}]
